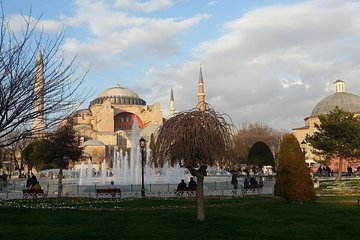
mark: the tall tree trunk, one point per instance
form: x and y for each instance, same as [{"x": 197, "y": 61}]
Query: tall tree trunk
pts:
[
  {"x": 60, "y": 185},
  {"x": 199, "y": 173},
  {"x": 339, "y": 169},
  {"x": 200, "y": 197}
]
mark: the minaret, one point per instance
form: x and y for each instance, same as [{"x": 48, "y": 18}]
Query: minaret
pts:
[
  {"x": 201, "y": 93},
  {"x": 339, "y": 86},
  {"x": 172, "y": 108},
  {"x": 38, "y": 124}
]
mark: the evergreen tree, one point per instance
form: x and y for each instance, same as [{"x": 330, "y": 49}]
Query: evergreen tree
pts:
[
  {"x": 65, "y": 148},
  {"x": 36, "y": 154},
  {"x": 293, "y": 181},
  {"x": 337, "y": 135},
  {"x": 260, "y": 155},
  {"x": 56, "y": 151}
]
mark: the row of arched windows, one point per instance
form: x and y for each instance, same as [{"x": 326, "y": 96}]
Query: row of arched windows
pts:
[{"x": 120, "y": 100}]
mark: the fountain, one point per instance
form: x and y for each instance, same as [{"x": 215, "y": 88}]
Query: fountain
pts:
[
  {"x": 86, "y": 174},
  {"x": 127, "y": 171}
]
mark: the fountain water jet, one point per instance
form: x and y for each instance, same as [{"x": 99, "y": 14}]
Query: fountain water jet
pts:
[
  {"x": 103, "y": 172},
  {"x": 126, "y": 171}
]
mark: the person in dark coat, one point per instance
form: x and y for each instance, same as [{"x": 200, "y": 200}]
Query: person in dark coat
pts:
[
  {"x": 234, "y": 181},
  {"x": 181, "y": 186},
  {"x": 31, "y": 181},
  {"x": 246, "y": 183},
  {"x": 253, "y": 182},
  {"x": 192, "y": 184}
]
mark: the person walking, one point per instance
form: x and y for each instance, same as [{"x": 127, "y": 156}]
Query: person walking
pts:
[{"x": 234, "y": 181}]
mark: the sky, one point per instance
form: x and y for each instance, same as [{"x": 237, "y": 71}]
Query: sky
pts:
[{"x": 263, "y": 61}]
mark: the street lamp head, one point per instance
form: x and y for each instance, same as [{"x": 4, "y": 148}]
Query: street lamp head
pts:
[{"x": 142, "y": 142}]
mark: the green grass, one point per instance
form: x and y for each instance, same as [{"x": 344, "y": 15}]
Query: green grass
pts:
[{"x": 226, "y": 218}]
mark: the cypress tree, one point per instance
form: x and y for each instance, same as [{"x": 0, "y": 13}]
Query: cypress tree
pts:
[{"x": 293, "y": 181}]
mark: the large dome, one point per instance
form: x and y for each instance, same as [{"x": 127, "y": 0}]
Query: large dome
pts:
[
  {"x": 347, "y": 101},
  {"x": 118, "y": 91},
  {"x": 119, "y": 95}
]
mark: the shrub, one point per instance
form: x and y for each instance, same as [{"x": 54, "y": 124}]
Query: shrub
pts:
[{"x": 293, "y": 181}]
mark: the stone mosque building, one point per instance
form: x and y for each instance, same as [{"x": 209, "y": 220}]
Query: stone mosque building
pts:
[
  {"x": 347, "y": 101},
  {"x": 107, "y": 124}
]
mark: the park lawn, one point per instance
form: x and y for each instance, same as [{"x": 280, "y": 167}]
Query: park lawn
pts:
[{"x": 226, "y": 218}]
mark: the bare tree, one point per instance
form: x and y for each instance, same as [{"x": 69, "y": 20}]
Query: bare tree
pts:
[
  {"x": 20, "y": 55},
  {"x": 17, "y": 148},
  {"x": 249, "y": 134},
  {"x": 195, "y": 139}
]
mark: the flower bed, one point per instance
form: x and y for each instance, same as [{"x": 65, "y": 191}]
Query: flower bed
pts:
[{"x": 339, "y": 188}]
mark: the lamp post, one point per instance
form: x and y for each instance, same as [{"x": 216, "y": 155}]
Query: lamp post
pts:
[{"x": 142, "y": 143}]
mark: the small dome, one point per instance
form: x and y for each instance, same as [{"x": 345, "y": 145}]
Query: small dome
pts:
[
  {"x": 81, "y": 111},
  {"x": 347, "y": 101},
  {"x": 93, "y": 142},
  {"x": 119, "y": 95}
]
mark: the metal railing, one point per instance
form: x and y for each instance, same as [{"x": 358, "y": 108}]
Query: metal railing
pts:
[{"x": 12, "y": 189}]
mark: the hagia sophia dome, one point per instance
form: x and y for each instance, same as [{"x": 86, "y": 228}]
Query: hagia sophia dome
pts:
[
  {"x": 346, "y": 101},
  {"x": 119, "y": 95}
]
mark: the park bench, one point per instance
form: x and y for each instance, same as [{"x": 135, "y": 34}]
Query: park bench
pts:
[
  {"x": 187, "y": 191},
  {"x": 32, "y": 193},
  {"x": 108, "y": 192}
]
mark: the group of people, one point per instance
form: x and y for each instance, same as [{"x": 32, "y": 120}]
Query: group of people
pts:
[
  {"x": 183, "y": 187},
  {"x": 324, "y": 171},
  {"x": 32, "y": 183},
  {"x": 249, "y": 181}
]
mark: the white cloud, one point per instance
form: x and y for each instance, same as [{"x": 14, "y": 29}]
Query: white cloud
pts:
[
  {"x": 211, "y": 3},
  {"x": 270, "y": 65},
  {"x": 148, "y": 6},
  {"x": 308, "y": 45},
  {"x": 115, "y": 34},
  {"x": 18, "y": 23}
]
